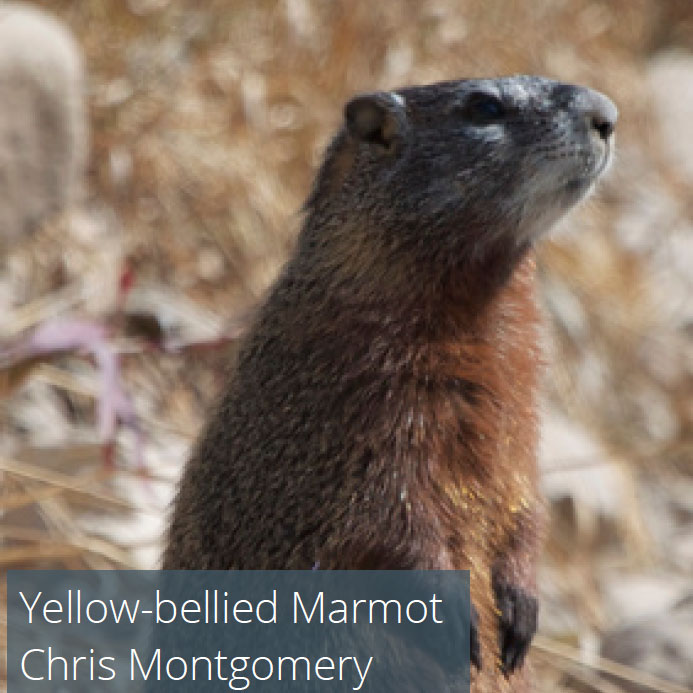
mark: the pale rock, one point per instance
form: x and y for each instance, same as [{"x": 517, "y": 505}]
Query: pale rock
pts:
[{"x": 43, "y": 129}]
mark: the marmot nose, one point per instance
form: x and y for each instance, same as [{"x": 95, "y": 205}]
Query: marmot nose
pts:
[{"x": 599, "y": 111}]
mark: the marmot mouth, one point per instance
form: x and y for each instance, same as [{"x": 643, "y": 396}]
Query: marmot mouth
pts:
[
  {"x": 580, "y": 185},
  {"x": 606, "y": 159}
]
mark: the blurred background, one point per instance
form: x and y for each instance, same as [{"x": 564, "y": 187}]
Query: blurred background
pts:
[{"x": 154, "y": 155}]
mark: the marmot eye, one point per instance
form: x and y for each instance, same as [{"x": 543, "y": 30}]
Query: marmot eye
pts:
[{"x": 481, "y": 107}]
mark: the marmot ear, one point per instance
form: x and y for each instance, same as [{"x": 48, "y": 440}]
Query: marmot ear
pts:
[{"x": 377, "y": 118}]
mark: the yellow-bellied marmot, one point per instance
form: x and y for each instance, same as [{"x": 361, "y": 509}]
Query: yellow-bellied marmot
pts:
[{"x": 381, "y": 413}]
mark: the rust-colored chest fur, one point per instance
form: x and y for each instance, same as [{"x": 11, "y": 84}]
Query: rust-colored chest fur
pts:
[
  {"x": 447, "y": 426},
  {"x": 479, "y": 431},
  {"x": 485, "y": 444},
  {"x": 453, "y": 420}
]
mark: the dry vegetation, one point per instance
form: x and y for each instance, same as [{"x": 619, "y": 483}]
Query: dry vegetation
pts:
[{"x": 207, "y": 120}]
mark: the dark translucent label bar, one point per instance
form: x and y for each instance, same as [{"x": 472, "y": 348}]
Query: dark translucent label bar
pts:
[{"x": 238, "y": 630}]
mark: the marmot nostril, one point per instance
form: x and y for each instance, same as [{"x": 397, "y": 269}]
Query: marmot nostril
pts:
[
  {"x": 601, "y": 113},
  {"x": 603, "y": 127}
]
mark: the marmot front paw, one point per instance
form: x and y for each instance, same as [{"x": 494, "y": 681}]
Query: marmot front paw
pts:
[{"x": 517, "y": 624}]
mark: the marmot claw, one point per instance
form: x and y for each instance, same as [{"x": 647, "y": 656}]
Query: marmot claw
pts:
[
  {"x": 475, "y": 648},
  {"x": 516, "y": 625}
]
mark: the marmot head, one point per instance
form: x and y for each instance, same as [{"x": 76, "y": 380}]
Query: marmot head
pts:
[{"x": 456, "y": 167}]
